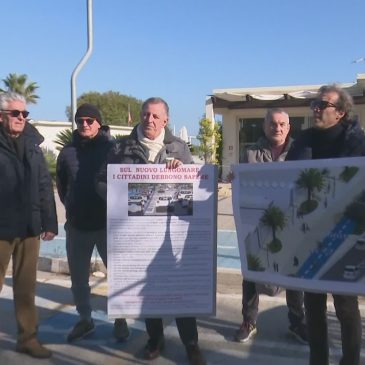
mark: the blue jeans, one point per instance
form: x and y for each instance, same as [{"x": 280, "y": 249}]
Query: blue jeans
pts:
[{"x": 79, "y": 248}]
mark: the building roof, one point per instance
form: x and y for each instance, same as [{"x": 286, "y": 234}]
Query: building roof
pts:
[{"x": 263, "y": 97}]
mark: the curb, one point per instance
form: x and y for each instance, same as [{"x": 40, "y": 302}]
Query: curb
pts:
[
  {"x": 229, "y": 281},
  {"x": 60, "y": 265}
]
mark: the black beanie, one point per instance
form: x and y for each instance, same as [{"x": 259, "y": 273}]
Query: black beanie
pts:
[{"x": 89, "y": 111}]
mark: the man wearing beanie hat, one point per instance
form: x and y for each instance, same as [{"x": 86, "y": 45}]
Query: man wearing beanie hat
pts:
[
  {"x": 77, "y": 166},
  {"x": 88, "y": 111}
]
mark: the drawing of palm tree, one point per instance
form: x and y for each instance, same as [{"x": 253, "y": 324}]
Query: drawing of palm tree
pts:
[
  {"x": 275, "y": 219},
  {"x": 254, "y": 263},
  {"x": 312, "y": 180}
]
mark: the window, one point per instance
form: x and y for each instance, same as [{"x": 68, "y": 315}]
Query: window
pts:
[
  {"x": 250, "y": 132},
  {"x": 296, "y": 125}
]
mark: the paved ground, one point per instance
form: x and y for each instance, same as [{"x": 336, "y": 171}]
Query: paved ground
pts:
[{"x": 272, "y": 344}]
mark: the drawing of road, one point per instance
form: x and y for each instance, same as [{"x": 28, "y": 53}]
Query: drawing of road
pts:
[
  {"x": 328, "y": 246},
  {"x": 355, "y": 258}
]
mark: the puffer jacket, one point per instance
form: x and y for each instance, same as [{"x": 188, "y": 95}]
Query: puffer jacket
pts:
[
  {"x": 77, "y": 166},
  {"x": 353, "y": 145},
  {"x": 27, "y": 206}
]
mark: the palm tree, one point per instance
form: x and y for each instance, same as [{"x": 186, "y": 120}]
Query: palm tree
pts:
[
  {"x": 63, "y": 138},
  {"x": 275, "y": 219},
  {"x": 254, "y": 263},
  {"x": 20, "y": 85},
  {"x": 311, "y": 179}
]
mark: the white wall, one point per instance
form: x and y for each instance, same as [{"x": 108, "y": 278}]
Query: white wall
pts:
[{"x": 49, "y": 131}]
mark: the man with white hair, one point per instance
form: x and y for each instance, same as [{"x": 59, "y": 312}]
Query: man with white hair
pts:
[{"x": 27, "y": 213}]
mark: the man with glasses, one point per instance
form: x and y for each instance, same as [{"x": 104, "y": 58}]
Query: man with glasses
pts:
[
  {"x": 27, "y": 213},
  {"x": 271, "y": 147},
  {"x": 85, "y": 227},
  {"x": 333, "y": 135}
]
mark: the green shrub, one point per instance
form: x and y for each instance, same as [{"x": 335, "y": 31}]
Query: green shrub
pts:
[{"x": 51, "y": 160}]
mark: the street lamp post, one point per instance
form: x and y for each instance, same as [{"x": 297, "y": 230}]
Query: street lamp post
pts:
[{"x": 83, "y": 61}]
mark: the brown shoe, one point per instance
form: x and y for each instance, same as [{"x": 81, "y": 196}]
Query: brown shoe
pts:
[
  {"x": 194, "y": 355},
  {"x": 33, "y": 348},
  {"x": 153, "y": 349}
]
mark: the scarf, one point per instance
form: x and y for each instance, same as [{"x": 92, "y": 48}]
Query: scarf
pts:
[{"x": 153, "y": 146}]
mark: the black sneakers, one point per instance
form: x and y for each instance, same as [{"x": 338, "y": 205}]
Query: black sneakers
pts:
[
  {"x": 121, "y": 331},
  {"x": 82, "y": 328},
  {"x": 194, "y": 354},
  {"x": 245, "y": 332},
  {"x": 299, "y": 332},
  {"x": 154, "y": 348}
]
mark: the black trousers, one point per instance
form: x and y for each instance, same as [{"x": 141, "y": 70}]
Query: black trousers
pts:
[
  {"x": 186, "y": 326},
  {"x": 347, "y": 312},
  {"x": 250, "y": 302}
]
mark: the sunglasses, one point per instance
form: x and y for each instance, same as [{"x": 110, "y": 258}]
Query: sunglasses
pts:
[
  {"x": 321, "y": 105},
  {"x": 16, "y": 113},
  {"x": 89, "y": 121}
]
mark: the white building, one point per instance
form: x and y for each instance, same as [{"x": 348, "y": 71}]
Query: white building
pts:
[
  {"x": 50, "y": 129},
  {"x": 243, "y": 112}
]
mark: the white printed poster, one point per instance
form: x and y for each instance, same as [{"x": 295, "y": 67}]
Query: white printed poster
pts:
[
  {"x": 301, "y": 224},
  {"x": 162, "y": 229}
]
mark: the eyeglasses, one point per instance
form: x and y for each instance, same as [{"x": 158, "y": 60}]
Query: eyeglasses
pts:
[
  {"x": 16, "y": 113},
  {"x": 89, "y": 121},
  {"x": 321, "y": 105}
]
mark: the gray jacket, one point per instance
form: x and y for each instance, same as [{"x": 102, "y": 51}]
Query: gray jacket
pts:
[{"x": 261, "y": 152}]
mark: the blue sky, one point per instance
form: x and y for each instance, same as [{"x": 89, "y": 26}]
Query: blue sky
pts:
[{"x": 179, "y": 49}]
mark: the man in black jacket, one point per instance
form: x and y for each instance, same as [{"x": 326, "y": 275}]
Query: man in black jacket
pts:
[
  {"x": 152, "y": 142},
  {"x": 27, "y": 213},
  {"x": 333, "y": 135},
  {"x": 77, "y": 165}
]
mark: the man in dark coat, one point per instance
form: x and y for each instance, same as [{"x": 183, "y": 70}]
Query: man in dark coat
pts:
[
  {"x": 333, "y": 135},
  {"x": 27, "y": 213},
  {"x": 77, "y": 165},
  {"x": 152, "y": 142}
]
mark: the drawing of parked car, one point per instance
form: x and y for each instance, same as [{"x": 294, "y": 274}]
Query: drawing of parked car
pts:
[
  {"x": 360, "y": 244},
  {"x": 351, "y": 272}
]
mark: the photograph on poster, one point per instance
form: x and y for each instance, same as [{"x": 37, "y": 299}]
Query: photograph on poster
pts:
[
  {"x": 302, "y": 224},
  {"x": 160, "y": 199}
]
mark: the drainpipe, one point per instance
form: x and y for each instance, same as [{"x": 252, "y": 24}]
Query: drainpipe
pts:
[{"x": 83, "y": 61}]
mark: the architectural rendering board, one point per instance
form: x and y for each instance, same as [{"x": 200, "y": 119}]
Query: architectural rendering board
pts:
[{"x": 301, "y": 224}]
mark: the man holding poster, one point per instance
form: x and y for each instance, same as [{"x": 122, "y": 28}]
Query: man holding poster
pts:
[
  {"x": 272, "y": 147},
  {"x": 151, "y": 142},
  {"x": 333, "y": 135}
]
